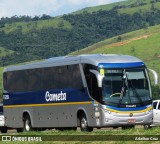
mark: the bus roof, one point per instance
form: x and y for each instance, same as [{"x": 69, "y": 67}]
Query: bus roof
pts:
[{"x": 94, "y": 59}]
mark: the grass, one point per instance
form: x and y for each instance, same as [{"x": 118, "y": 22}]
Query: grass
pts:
[
  {"x": 57, "y": 22},
  {"x": 4, "y": 52},
  {"x": 103, "y": 44},
  {"x": 92, "y": 137},
  {"x": 103, "y": 7},
  {"x": 145, "y": 8},
  {"x": 139, "y": 130},
  {"x": 128, "y": 10}
]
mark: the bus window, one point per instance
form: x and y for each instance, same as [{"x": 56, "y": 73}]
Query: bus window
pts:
[{"x": 92, "y": 83}]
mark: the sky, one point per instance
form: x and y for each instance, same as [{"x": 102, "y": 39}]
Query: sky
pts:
[{"x": 9, "y": 8}]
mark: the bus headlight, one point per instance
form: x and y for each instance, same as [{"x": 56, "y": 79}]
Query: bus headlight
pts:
[
  {"x": 149, "y": 111},
  {"x": 109, "y": 112},
  {"x": 107, "y": 120}
]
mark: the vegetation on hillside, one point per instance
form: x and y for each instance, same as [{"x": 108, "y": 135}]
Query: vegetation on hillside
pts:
[
  {"x": 126, "y": 6},
  {"x": 39, "y": 38}
]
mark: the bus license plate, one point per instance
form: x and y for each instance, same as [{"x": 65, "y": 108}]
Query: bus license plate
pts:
[{"x": 131, "y": 120}]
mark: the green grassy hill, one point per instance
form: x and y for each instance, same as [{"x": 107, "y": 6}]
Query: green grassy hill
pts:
[
  {"x": 128, "y": 6},
  {"x": 26, "y": 27},
  {"x": 102, "y": 7},
  {"x": 144, "y": 44},
  {"x": 57, "y": 22},
  {"x": 43, "y": 37},
  {"x": 5, "y": 52}
]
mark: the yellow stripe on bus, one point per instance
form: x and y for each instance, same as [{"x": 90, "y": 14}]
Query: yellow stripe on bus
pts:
[
  {"x": 48, "y": 104},
  {"x": 128, "y": 112}
]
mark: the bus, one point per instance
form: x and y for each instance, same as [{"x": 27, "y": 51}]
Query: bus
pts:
[{"x": 86, "y": 91}]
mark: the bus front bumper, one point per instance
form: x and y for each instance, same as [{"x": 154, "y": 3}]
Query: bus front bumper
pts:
[{"x": 115, "y": 119}]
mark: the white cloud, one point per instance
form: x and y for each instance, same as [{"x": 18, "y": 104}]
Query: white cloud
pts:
[
  {"x": 10, "y": 8},
  {"x": 73, "y": 2},
  {"x": 3, "y": 11},
  {"x": 90, "y": 2},
  {"x": 102, "y": 2}
]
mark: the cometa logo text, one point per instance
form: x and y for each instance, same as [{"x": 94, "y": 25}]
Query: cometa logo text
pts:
[{"x": 55, "y": 97}]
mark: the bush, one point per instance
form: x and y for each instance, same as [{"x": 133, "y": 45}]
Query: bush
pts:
[{"x": 155, "y": 92}]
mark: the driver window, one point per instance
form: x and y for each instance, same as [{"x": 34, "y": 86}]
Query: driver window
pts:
[
  {"x": 112, "y": 84},
  {"x": 106, "y": 90}
]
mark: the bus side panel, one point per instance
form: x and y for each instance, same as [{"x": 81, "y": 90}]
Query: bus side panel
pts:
[
  {"x": 52, "y": 116},
  {"x": 45, "y": 116},
  {"x": 66, "y": 117},
  {"x": 62, "y": 116},
  {"x": 14, "y": 116}
]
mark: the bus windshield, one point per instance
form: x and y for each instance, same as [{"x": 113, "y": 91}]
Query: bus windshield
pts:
[{"x": 125, "y": 87}]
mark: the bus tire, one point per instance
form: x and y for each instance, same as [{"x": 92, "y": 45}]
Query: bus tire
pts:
[
  {"x": 3, "y": 130},
  {"x": 147, "y": 127},
  {"x": 27, "y": 124},
  {"x": 84, "y": 124}
]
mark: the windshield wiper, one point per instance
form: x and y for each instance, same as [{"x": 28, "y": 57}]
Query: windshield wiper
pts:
[
  {"x": 122, "y": 92},
  {"x": 125, "y": 83}
]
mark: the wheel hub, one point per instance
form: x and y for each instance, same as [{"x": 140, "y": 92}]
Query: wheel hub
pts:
[{"x": 84, "y": 123}]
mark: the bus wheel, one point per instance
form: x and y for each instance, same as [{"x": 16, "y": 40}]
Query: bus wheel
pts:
[
  {"x": 3, "y": 130},
  {"x": 147, "y": 127},
  {"x": 84, "y": 124},
  {"x": 27, "y": 124}
]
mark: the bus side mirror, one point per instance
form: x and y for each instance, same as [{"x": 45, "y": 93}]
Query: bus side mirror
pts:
[
  {"x": 155, "y": 76},
  {"x": 98, "y": 76}
]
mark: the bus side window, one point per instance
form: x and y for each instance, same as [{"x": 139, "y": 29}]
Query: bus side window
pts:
[
  {"x": 92, "y": 85},
  {"x": 5, "y": 81}
]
